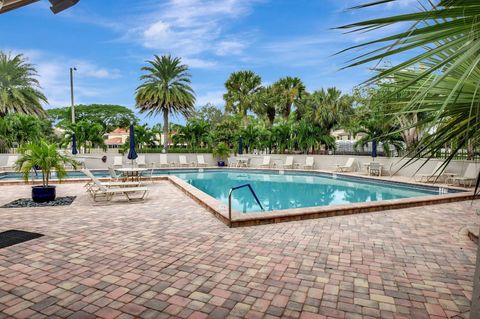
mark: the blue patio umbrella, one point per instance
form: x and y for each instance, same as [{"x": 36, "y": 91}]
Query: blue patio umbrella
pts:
[
  {"x": 132, "y": 154},
  {"x": 240, "y": 145},
  {"x": 374, "y": 147},
  {"x": 74, "y": 145}
]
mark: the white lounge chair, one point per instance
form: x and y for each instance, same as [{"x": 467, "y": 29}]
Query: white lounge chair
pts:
[
  {"x": 164, "y": 161},
  {"x": 309, "y": 163},
  {"x": 348, "y": 167},
  {"x": 10, "y": 165},
  {"x": 433, "y": 176},
  {"x": 94, "y": 180},
  {"x": 469, "y": 176},
  {"x": 201, "y": 161},
  {"x": 288, "y": 162},
  {"x": 182, "y": 161},
  {"x": 117, "y": 161},
  {"x": 266, "y": 162},
  {"x": 140, "y": 161},
  {"x": 106, "y": 191}
]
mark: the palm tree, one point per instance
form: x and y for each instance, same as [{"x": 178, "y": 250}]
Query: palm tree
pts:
[
  {"x": 242, "y": 88},
  {"x": 166, "y": 89},
  {"x": 332, "y": 107},
  {"x": 19, "y": 88},
  {"x": 290, "y": 89},
  {"x": 266, "y": 103}
]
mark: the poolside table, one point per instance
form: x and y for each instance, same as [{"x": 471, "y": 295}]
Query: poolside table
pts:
[{"x": 132, "y": 172}]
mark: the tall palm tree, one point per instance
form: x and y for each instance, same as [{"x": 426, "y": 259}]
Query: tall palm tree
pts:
[
  {"x": 166, "y": 89},
  {"x": 242, "y": 88},
  {"x": 19, "y": 88},
  {"x": 266, "y": 103},
  {"x": 290, "y": 89},
  {"x": 333, "y": 107}
]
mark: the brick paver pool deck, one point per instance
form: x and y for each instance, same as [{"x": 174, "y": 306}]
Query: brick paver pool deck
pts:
[{"x": 169, "y": 257}]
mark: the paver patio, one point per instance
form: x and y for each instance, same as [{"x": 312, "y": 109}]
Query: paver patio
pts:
[{"x": 169, "y": 257}]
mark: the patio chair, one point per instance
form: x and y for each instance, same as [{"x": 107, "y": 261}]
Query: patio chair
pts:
[
  {"x": 201, "y": 161},
  {"x": 140, "y": 161},
  {"x": 117, "y": 161},
  {"x": 470, "y": 175},
  {"x": 309, "y": 163},
  {"x": 288, "y": 162},
  {"x": 434, "y": 175},
  {"x": 106, "y": 191},
  {"x": 94, "y": 179},
  {"x": 164, "y": 161},
  {"x": 374, "y": 169},
  {"x": 182, "y": 161},
  {"x": 348, "y": 167},
  {"x": 266, "y": 162},
  {"x": 10, "y": 165}
]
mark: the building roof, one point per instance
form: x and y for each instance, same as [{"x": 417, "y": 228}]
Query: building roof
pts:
[{"x": 119, "y": 130}]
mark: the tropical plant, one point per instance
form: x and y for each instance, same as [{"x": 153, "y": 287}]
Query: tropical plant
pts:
[
  {"x": 446, "y": 39},
  {"x": 43, "y": 155},
  {"x": 166, "y": 89},
  {"x": 88, "y": 135},
  {"x": 290, "y": 90},
  {"x": 221, "y": 151},
  {"x": 266, "y": 103},
  {"x": 242, "y": 88},
  {"x": 282, "y": 137},
  {"x": 19, "y": 88}
]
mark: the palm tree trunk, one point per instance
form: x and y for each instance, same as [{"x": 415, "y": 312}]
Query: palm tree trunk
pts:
[{"x": 165, "y": 130}]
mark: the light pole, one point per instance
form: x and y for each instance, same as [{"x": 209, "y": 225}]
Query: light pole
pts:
[
  {"x": 71, "y": 93},
  {"x": 74, "y": 139}
]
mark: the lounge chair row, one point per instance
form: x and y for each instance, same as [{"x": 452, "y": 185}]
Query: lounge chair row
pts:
[
  {"x": 267, "y": 162},
  {"x": 163, "y": 162}
]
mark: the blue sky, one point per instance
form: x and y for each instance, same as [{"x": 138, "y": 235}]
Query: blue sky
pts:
[{"x": 108, "y": 41}]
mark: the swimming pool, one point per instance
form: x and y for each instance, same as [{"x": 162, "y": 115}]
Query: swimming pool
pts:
[{"x": 278, "y": 191}]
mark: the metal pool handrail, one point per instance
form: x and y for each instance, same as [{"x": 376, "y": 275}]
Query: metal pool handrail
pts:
[{"x": 230, "y": 200}]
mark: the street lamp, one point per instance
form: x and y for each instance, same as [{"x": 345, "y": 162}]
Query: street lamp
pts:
[
  {"x": 71, "y": 93},
  {"x": 74, "y": 140}
]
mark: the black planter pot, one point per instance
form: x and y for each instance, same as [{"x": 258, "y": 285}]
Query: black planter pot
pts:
[
  {"x": 221, "y": 163},
  {"x": 41, "y": 194}
]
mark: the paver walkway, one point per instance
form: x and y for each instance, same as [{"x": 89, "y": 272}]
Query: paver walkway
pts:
[{"x": 168, "y": 257}]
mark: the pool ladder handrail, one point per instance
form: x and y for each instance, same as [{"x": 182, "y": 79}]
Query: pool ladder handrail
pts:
[{"x": 230, "y": 200}]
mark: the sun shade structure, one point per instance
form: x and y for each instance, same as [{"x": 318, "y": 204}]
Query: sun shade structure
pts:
[{"x": 56, "y": 5}]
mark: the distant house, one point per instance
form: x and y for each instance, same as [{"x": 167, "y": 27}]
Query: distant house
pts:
[
  {"x": 116, "y": 138},
  {"x": 342, "y": 135}
]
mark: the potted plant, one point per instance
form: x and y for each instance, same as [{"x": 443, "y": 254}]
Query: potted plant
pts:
[
  {"x": 221, "y": 153},
  {"x": 45, "y": 157}
]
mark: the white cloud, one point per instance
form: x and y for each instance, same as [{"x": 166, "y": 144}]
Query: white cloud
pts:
[
  {"x": 213, "y": 97},
  {"x": 190, "y": 28}
]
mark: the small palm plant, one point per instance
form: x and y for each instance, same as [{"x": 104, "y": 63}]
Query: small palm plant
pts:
[
  {"x": 46, "y": 157},
  {"x": 221, "y": 153}
]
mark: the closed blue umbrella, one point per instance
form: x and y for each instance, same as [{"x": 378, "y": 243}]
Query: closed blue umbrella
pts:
[
  {"x": 374, "y": 147},
  {"x": 74, "y": 145},
  {"x": 132, "y": 154},
  {"x": 240, "y": 145}
]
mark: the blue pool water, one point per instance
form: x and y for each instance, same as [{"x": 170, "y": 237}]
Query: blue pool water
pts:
[
  {"x": 295, "y": 190},
  {"x": 283, "y": 191}
]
